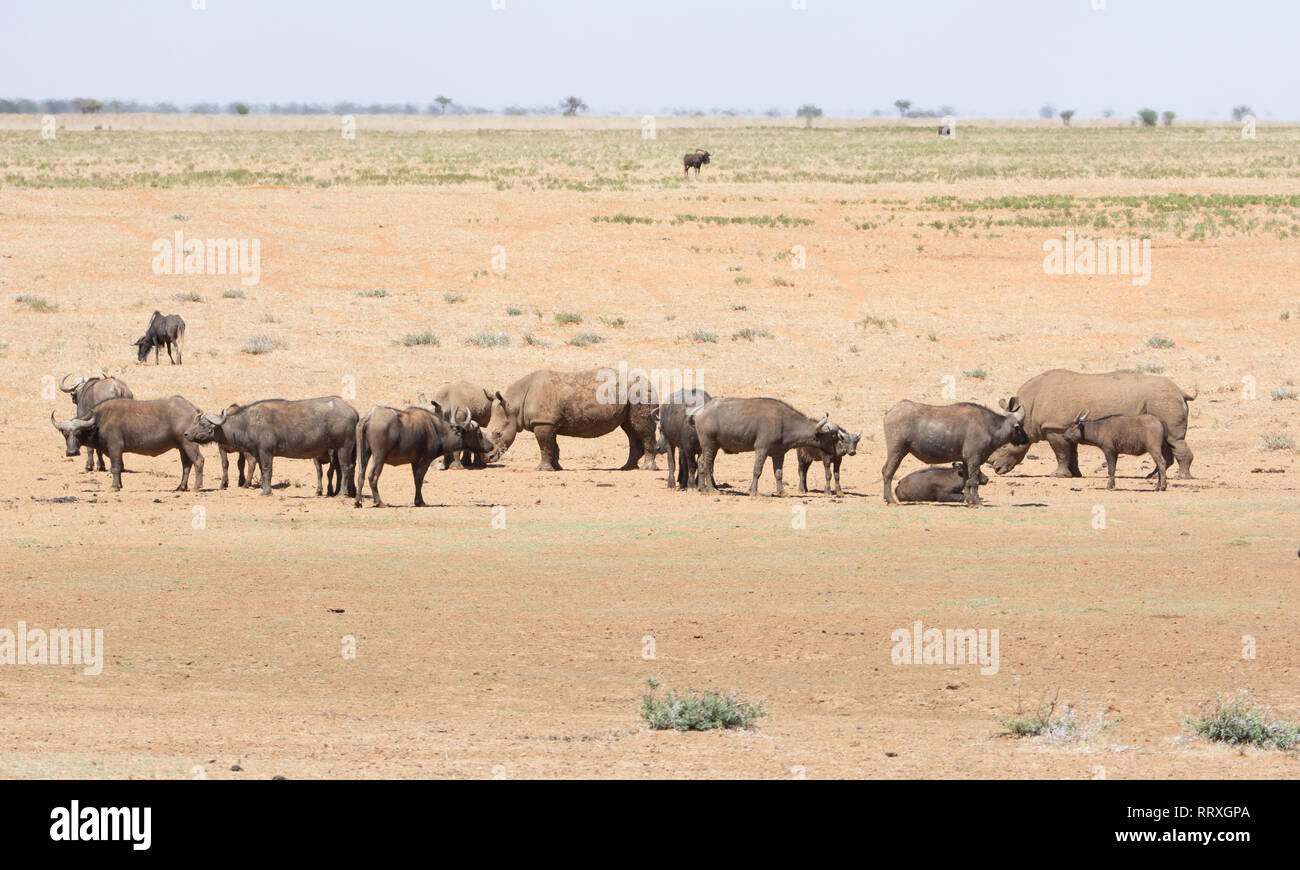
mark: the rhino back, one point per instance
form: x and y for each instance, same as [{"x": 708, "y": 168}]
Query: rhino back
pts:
[{"x": 1053, "y": 399}]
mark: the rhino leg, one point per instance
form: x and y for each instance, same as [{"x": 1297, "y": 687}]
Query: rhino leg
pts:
[
  {"x": 1183, "y": 454},
  {"x": 635, "y": 449},
  {"x": 1067, "y": 456},
  {"x": 549, "y": 447}
]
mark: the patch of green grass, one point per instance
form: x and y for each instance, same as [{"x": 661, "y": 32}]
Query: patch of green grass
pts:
[
  {"x": 452, "y": 298},
  {"x": 978, "y": 374},
  {"x": 1277, "y": 441},
  {"x": 36, "y": 303},
  {"x": 703, "y": 335},
  {"x": 372, "y": 294},
  {"x": 697, "y": 711},
  {"x": 514, "y": 310},
  {"x": 564, "y": 318},
  {"x": 1073, "y": 723},
  {"x": 191, "y": 296},
  {"x": 1160, "y": 341},
  {"x": 1240, "y": 720},
  {"x": 613, "y": 322},
  {"x": 736, "y": 307},
  {"x": 742, "y": 279},
  {"x": 621, "y": 219},
  {"x": 419, "y": 339},
  {"x": 232, "y": 293},
  {"x": 882, "y": 323},
  {"x": 260, "y": 344},
  {"x": 488, "y": 339},
  {"x": 582, "y": 339},
  {"x": 748, "y": 334},
  {"x": 1282, "y": 393}
]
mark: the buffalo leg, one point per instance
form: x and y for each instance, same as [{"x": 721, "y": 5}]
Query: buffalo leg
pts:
[
  {"x": 826, "y": 466},
  {"x": 704, "y": 474},
  {"x": 225, "y": 468},
  {"x": 266, "y": 459},
  {"x": 972, "y": 487},
  {"x": 375, "y": 470},
  {"x": 191, "y": 455},
  {"x": 1110, "y": 469},
  {"x": 778, "y": 467},
  {"x": 316, "y": 464},
  {"x": 836, "y": 463},
  {"x": 91, "y": 453},
  {"x": 549, "y": 447},
  {"x": 760, "y": 456},
  {"x": 672, "y": 467},
  {"x": 363, "y": 457},
  {"x": 892, "y": 461},
  {"x": 115, "y": 465},
  {"x": 1162, "y": 483},
  {"x": 417, "y": 474},
  {"x": 804, "y": 465}
]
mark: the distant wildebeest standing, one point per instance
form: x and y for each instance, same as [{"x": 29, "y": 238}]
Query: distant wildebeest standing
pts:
[
  {"x": 767, "y": 427},
  {"x": 945, "y": 131},
  {"x": 291, "y": 429},
  {"x": 86, "y": 393},
  {"x": 1123, "y": 435},
  {"x": 678, "y": 439},
  {"x": 150, "y": 428},
  {"x": 577, "y": 405},
  {"x": 169, "y": 331},
  {"x": 694, "y": 160},
  {"x": 464, "y": 396},
  {"x": 847, "y": 445},
  {"x": 963, "y": 432},
  {"x": 414, "y": 437},
  {"x": 936, "y": 484},
  {"x": 1055, "y": 398}
]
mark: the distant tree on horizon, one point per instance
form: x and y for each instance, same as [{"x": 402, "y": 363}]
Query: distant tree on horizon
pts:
[
  {"x": 902, "y": 106},
  {"x": 89, "y": 107},
  {"x": 1239, "y": 112},
  {"x": 1148, "y": 117},
  {"x": 808, "y": 111},
  {"x": 1066, "y": 115},
  {"x": 572, "y": 105},
  {"x": 443, "y": 103},
  {"x": 1168, "y": 118},
  {"x": 1047, "y": 112}
]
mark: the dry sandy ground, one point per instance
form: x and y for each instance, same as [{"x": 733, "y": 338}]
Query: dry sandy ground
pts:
[{"x": 518, "y": 652}]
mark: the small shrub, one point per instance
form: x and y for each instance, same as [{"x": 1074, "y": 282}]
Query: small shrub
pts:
[
  {"x": 1277, "y": 441},
  {"x": 613, "y": 322},
  {"x": 533, "y": 341},
  {"x": 1160, "y": 341},
  {"x": 232, "y": 294},
  {"x": 735, "y": 307},
  {"x": 1148, "y": 368},
  {"x": 260, "y": 344},
  {"x": 514, "y": 311},
  {"x": 977, "y": 374},
  {"x": 742, "y": 279},
  {"x": 1239, "y": 720},
  {"x": 582, "y": 339},
  {"x": 698, "y": 711},
  {"x": 564, "y": 318},
  {"x": 488, "y": 339},
  {"x": 189, "y": 297},
  {"x": 1283, "y": 393},
  {"x": 882, "y": 323},
  {"x": 372, "y": 294},
  {"x": 452, "y": 298},
  {"x": 703, "y": 335},
  {"x": 778, "y": 281},
  {"x": 36, "y": 303},
  {"x": 420, "y": 339},
  {"x": 748, "y": 334}
]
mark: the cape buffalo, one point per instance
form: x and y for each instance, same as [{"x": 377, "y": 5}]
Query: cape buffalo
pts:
[
  {"x": 936, "y": 484},
  {"x": 88, "y": 392},
  {"x": 963, "y": 432},
  {"x": 293, "y": 429},
  {"x": 694, "y": 160},
  {"x": 461, "y": 396},
  {"x": 246, "y": 463},
  {"x": 413, "y": 437},
  {"x": 169, "y": 331},
  {"x": 767, "y": 427},
  {"x": 1055, "y": 398},
  {"x": 677, "y": 438},
  {"x": 1120, "y": 434},
  {"x": 585, "y": 404},
  {"x": 149, "y": 428},
  {"x": 846, "y": 445}
]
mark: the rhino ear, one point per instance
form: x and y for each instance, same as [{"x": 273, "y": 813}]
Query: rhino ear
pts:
[
  {"x": 1002, "y": 403},
  {"x": 505, "y": 406}
]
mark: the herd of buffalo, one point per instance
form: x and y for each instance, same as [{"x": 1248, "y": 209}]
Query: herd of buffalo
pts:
[{"x": 464, "y": 424}]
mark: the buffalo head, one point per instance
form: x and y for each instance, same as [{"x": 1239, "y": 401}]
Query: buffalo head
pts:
[{"x": 75, "y": 433}]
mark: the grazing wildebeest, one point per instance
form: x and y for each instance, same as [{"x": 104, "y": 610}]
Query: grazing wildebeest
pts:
[
  {"x": 413, "y": 437},
  {"x": 169, "y": 331},
  {"x": 694, "y": 160},
  {"x": 87, "y": 393},
  {"x": 677, "y": 438},
  {"x": 767, "y": 427},
  {"x": 936, "y": 484},
  {"x": 460, "y": 396},
  {"x": 963, "y": 432},
  {"x": 150, "y": 428},
  {"x": 292, "y": 429},
  {"x": 1055, "y": 398},
  {"x": 847, "y": 445},
  {"x": 1123, "y": 435},
  {"x": 577, "y": 405}
]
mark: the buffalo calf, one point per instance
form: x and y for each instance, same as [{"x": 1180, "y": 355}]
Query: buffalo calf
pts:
[{"x": 1123, "y": 434}]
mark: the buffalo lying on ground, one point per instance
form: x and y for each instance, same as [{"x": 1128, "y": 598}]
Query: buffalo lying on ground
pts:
[
  {"x": 302, "y": 429},
  {"x": 846, "y": 445},
  {"x": 694, "y": 160},
  {"x": 1055, "y": 398},
  {"x": 677, "y": 438},
  {"x": 461, "y": 396},
  {"x": 963, "y": 432},
  {"x": 150, "y": 428},
  {"x": 88, "y": 392},
  {"x": 1120, "y": 434},
  {"x": 414, "y": 437},
  {"x": 936, "y": 484},
  {"x": 169, "y": 331},
  {"x": 767, "y": 427},
  {"x": 577, "y": 405}
]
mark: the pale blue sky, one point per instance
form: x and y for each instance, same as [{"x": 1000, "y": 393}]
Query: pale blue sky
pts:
[{"x": 987, "y": 58}]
